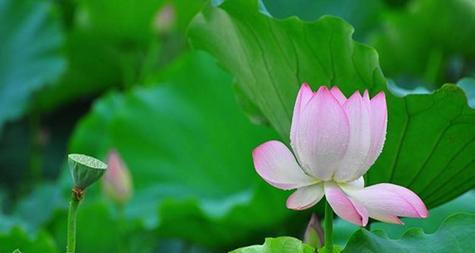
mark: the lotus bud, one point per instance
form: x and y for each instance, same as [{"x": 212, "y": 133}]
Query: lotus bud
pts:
[
  {"x": 313, "y": 234},
  {"x": 117, "y": 183},
  {"x": 165, "y": 19}
]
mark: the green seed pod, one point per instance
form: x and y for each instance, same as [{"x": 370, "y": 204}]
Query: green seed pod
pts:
[{"x": 85, "y": 170}]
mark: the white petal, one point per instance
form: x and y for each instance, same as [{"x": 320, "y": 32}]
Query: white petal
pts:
[
  {"x": 357, "y": 184},
  {"x": 275, "y": 163},
  {"x": 305, "y": 197}
]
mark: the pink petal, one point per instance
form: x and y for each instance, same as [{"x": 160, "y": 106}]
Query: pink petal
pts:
[
  {"x": 304, "y": 95},
  {"x": 344, "y": 207},
  {"x": 305, "y": 197},
  {"x": 336, "y": 92},
  {"x": 384, "y": 201},
  {"x": 353, "y": 164},
  {"x": 378, "y": 119},
  {"x": 321, "y": 135},
  {"x": 275, "y": 164},
  {"x": 388, "y": 219}
]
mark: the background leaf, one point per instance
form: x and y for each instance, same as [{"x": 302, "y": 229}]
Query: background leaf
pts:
[
  {"x": 430, "y": 137},
  {"x": 107, "y": 45},
  {"x": 26, "y": 67},
  {"x": 419, "y": 44}
]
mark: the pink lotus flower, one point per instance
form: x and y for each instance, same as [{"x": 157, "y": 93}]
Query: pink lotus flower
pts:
[{"x": 335, "y": 140}]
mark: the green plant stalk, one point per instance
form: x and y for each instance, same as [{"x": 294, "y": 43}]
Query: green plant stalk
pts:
[
  {"x": 35, "y": 155},
  {"x": 72, "y": 215},
  {"x": 328, "y": 229},
  {"x": 121, "y": 230}
]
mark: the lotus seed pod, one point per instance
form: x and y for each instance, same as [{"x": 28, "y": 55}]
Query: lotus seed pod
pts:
[{"x": 85, "y": 170}]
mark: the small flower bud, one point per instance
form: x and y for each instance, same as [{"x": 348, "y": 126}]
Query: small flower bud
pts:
[
  {"x": 117, "y": 184},
  {"x": 313, "y": 234},
  {"x": 165, "y": 19},
  {"x": 85, "y": 170}
]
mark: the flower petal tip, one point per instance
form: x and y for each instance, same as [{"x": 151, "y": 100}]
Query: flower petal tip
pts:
[
  {"x": 364, "y": 223},
  {"x": 336, "y": 92},
  {"x": 323, "y": 89},
  {"x": 420, "y": 207},
  {"x": 380, "y": 96},
  {"x": 295, "y": 208},
  {"x": 424, "y": 214},
  {"x": 305, "y": 86},
  {"x": 355, "y": 95},
  {"x": 292, "y": 204},
  {"x": 335, "y": 89}
]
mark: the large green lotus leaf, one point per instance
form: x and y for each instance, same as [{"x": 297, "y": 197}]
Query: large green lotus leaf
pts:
[
  {"x": 419, "y": 42},
  {"x": 18, "y": 239},
  {"x": 188, "y": 147},
  {"x": 271, "y": 58},
  {"x": 31, "y": 41},
  {"x": 278, "y": 245},
  {"x": 431, "y": 139},
  {"x": 454, "y": 235}
]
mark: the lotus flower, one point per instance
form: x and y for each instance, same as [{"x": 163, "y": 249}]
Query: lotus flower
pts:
[{"x": 335, "y": 140}]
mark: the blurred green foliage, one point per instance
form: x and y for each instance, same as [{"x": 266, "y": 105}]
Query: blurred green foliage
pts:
[
  {"x": 94, "y": 75},
  {"x": 26, "y": 67},
  {"x": 18, "y": 239}
]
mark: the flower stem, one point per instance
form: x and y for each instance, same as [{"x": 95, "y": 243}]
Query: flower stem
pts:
[
  {"x": 72, "y": 214},
  {"x": 328, "y": 230}
]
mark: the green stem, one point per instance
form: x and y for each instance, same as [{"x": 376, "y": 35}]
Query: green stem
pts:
[
  {"x": 121, "y": 230},
  {"x": 71, "y": 236},
  {"x": 35, "y": 155},
  {"x": 328, "y": 230}
]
